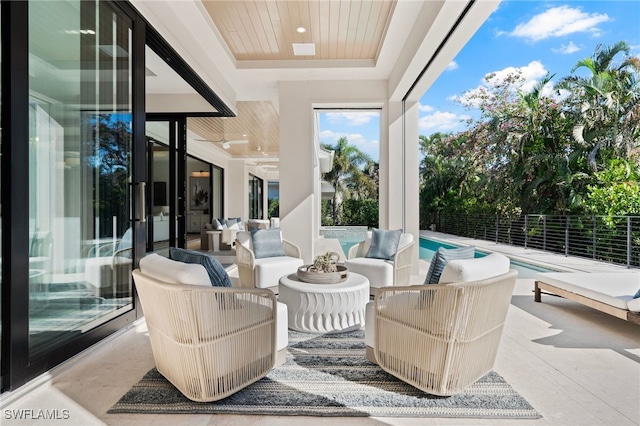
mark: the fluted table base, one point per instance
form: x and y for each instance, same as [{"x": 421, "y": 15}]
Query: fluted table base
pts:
[{"x": 325, "y": 308}]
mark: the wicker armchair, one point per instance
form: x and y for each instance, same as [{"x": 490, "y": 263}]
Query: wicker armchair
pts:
[
  {"x": 264, "y": 272},
  {"x": 440, "y": 338},
  {"x": 209, "y": 342},
  {"x": 382, "y": 273}
]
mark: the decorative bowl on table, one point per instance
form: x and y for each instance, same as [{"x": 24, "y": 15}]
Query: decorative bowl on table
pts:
[{"x": 309, "y": 274}]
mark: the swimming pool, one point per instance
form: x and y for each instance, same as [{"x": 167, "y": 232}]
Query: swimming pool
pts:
[
  {"x": 525, "y": 270},
  {"x": 348, "y": 236}
]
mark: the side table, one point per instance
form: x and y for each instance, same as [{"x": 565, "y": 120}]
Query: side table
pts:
[
  {"x": 214, "y": 240},
  {"x": 325, "y": 308}
]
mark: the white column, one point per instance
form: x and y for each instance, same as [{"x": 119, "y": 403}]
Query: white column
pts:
[
  {"x": 236, "y": 195},
  {"x": 298, "y": 215},
  {"x": 399, "y": 160}
]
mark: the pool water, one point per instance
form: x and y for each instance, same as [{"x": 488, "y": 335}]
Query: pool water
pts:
[
  {"x": 525, "y": 270},
  {"x": 347, "y": 244},
  {"x": 348, "y": 236}
]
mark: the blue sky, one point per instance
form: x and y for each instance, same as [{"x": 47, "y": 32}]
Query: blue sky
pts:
[{"x": 535, "y": 37}]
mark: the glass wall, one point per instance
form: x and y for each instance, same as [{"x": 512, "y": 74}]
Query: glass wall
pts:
[
  {"x": 80, "y": 144},
  {"x": 217, "y": 186},
  {"x": 198, "y": 194},
  {"x": 159, "y": 185},
  {"x": 255, "y": 197}
]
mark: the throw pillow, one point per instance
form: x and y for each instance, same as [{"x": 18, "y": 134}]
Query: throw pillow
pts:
[
  {"x": 217, "y": 274},
  {"x": 217, "y": 225},
  {"x": 637, "y": 295},
  {"x": 231, "y": 223},
  {"x": 440, "y": 259},
  {"x": 239, "y": 222},
  {"x": 384, "y": 244},
  {"x": 267, "y": 243}
]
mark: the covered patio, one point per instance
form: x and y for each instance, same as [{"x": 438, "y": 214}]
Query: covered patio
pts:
[{"x": 574, "y": 365}]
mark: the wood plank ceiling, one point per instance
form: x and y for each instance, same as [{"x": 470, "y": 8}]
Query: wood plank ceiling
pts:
[
  {"x": 265, "y": 30},
  {"x": 256, "y": 122}
]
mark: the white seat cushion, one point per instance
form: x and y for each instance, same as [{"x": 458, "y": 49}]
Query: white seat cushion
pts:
[
  {"x": 174, "y": 272},
  {"x": 476, "y": 269},
  {"x": 615, "y": 289},
  {"x": 378, "y": 271},
  {"x": 268, "y": 270}
]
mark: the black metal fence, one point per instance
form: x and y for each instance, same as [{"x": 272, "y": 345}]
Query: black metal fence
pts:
[{"x": 614, "y": 239}]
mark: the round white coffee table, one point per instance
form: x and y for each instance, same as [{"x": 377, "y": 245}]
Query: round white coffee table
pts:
[{"x": 325, "y": 308}]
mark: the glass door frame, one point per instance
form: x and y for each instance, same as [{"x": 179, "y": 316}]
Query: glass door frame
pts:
[{"x": 177, "y": 179}]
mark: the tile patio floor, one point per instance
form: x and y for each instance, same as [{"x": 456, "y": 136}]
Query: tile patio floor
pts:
[{"x": 574, "y": 365}]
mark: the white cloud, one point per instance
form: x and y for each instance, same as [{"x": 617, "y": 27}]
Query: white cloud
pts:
[
  {"x": 441, "y": 121},
  {"x": 530, "y": 74},
  {"x": 560, "y": 21},
  {"x": 352, "y": 118},
  {"x": 453, "y": 65},
  {"x": 425, "y": 108},
  {"x": 566, "y": 49}
]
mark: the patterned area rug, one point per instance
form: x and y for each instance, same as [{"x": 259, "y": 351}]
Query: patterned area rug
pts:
[{"x": 328, "y": 375}]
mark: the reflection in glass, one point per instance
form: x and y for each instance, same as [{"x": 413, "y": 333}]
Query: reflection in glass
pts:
[
  {"x": 80, "y": 137},
  {"x": 160, "y": 195},
  {"x": 216, "y": 192},
  {"x": 159, "y": 178},
  {"x": 255, "y": 197}
]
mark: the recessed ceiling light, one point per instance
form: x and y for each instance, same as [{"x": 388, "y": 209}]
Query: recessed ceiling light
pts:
[{"x": 301, "y": 30}]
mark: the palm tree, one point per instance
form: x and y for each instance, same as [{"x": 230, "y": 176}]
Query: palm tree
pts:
[
  {"x": 346, "y": 174},
  {"x": 607, "y": 102}
]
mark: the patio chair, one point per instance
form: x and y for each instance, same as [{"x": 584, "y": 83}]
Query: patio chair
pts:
[
  {"x": 382, "y": 272},
  {"x": 263, "y": 268},
  {"x": 441, "y": 338},
  {"x": 208, "y": 341}
]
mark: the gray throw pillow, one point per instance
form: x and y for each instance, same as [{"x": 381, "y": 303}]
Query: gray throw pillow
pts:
[
  {"x": 231, "y": 222},
  {"x": 217, "y": 274},
  {"x": 267, "y": 243},
  {"x": 384, "y": 244},
  {"x": 442, "y": 256}
]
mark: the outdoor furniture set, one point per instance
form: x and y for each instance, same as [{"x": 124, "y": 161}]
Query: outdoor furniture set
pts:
[{"x": 211, "y": 340}]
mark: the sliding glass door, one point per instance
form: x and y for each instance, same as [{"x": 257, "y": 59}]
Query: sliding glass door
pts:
[
  {"x": 256, "y": 204},
  {"x": 159, "y": 218},
  {"x": 79, "y": 177},
  {"x": 165, "y": 184}
]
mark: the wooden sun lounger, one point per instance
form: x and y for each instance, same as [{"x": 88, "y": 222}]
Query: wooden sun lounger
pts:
[{"x": 624, "y": 314}]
